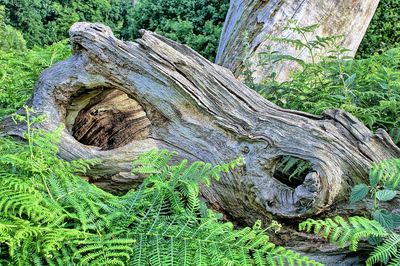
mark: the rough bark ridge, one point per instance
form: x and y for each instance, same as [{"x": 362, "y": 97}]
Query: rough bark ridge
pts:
[
  {"x": 259, "y": 19},
  {"x": 182, "y": 102}
]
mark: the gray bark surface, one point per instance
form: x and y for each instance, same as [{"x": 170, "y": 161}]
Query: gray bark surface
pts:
[
  {"x": 259, "y": 19},
  {"x": 200, "y": 110}
]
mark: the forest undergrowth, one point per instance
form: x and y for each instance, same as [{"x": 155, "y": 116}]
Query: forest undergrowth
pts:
[{"x": 49, "y": 215}]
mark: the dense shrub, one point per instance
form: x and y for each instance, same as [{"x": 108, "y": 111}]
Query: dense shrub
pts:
[
  {"x": 367, "y": 88},
  {"x": 20, "y": 70},
  {"x": 193, "y": 22},
  {"x": 10, "y": 38},
  {"x": 44, "y": 22},
  {"x": 197, "y": 23},
  {"x": 384, "y": 30}
]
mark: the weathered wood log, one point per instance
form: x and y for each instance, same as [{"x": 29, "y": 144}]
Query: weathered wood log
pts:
[
  {"x": 159, "y": 94},
  {"x": 259, "y": 19}
]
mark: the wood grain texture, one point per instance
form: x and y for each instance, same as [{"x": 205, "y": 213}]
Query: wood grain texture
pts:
[
  {"x": 110, "y": 120},
  {"x": 259, "y": 19},
  {"x": 200, "y": 110}
]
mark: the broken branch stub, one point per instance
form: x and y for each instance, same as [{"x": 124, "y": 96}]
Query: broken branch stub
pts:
[{"x": 119, "y": 99}]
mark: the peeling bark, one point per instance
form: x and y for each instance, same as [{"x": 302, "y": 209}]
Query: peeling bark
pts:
[
  {"x": 259, "y": 19},
  {"x": 180, "y": 101}
]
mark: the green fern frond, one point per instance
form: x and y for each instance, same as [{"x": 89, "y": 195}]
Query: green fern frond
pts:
[
  {"x": 209, "y": 243},
  {"x": 50, "y": 216},
  {"x": 342, "y": 232},
  {"x": 387, "y": 252},
  {"x": 387, "y": 173}
]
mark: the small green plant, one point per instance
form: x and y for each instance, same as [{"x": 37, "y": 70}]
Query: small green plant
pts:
[
  {"x": 51, "y": 216},
  {"x": 350, "y": 232},
  {"x": 317, "y": 47},
  {"x": 384, "y": 181},
  {"x": 291, "y": 170}
]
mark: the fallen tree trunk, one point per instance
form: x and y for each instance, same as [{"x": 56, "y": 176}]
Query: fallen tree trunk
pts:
[
  {"x": 119, "y": 99},
  {"x": 259, "y": 19}
]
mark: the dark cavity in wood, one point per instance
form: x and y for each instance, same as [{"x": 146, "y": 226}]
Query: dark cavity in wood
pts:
[{"x": 106, "y": 118}]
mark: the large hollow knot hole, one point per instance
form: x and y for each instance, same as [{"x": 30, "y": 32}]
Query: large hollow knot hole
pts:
[
  {"x": 301, "y": 185},
  {"x": 106, "y": 118},
  {"x": 291, "y": 170}
]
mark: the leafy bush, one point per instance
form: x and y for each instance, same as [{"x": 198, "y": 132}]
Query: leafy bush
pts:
[
  {"x": 193, "y": 22},
  {"x": 10, "y": 38},
  {"x": 368, "y": 88},
  {"x": 197, "y": 23},
  {"x": 49, "y": 215},
  {"x": 384, "y": 30},
  {"x": 20, "y": 70},
  {"x": 44, "y": 22}
]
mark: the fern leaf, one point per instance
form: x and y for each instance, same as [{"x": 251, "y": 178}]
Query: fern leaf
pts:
[
  {"x": 341, "y": 232},
  {"x": 388, "y": 250}
]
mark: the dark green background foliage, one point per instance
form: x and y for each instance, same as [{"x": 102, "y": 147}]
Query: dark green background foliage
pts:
[
  {"x": 21, "y": 67},
  {"x": 384, "y": 30},
  {"x": 10, "y": 38},
  {"x": 44, "y": 22},
  {"x": 197, "y": 23}
]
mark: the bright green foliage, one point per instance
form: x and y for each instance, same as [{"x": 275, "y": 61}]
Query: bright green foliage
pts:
[
  {"x": 44, "y": 216},
  {"x": 388, "y": 252},
  {"x": 358, "y": 192},
  {"x": 342, "y": 232},
  {"x": 384, "y": 181},
  {"x": 369, "y": 88},
  {"x": 386, "y": 173},
  {"x": 197, "y": 23},
  {"x": 44, "y": 22},
  {"x": 20, "y": 70},
  {"x": 384, "y": 30},
  {"x": 50, "y": 216}
]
